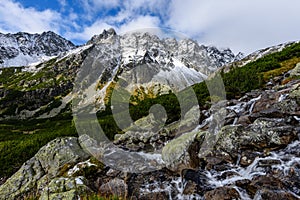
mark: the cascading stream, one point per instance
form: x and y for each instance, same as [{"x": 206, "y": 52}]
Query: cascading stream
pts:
[{"x": 279, "y": 162}]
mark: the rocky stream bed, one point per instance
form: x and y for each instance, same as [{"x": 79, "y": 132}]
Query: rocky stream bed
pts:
[{"x": 255, "y": 155}]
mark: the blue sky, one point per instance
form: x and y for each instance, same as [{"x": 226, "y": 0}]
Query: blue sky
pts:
[{"x": 245, "y": 26}]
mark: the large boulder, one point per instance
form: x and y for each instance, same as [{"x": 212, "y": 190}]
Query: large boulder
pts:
[
  {"x": 45, "y": 165},
  {"x": 182, "y": 152},
  {"x": 295, "y": 71},
  {"x": 23, "y": 181},
  {"x": 65, "y": 188},
  {"x": 263, "y": 133},
  {"x": 295, "y": 94},
  {"x": 58, "y": 152}
]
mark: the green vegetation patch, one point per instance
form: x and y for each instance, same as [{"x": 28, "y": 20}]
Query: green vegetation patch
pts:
[{"x": 21, "y": 139}]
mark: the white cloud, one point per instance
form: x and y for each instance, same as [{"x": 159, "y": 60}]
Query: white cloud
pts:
[
  {"x": 14, "y": 17},
  {"x": 105, "y": 3},
  {"x": 136, "y": 24},
  {"x": 88, "y": 31},
  {"x": 92, "y": 7},
  {"x": 139, "y": 23},
  {"x": 63, "y": 3},
  {"x": 153, "y": 6},
  {"x": 241, "y": 25}
]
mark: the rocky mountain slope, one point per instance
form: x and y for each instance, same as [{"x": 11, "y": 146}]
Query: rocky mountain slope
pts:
[
  {"x": 22, "y": 49},
  {"x": 245, "y": 147},
  {"x": 159, "y": 64},
  {"x": 243, "y": 60},
  {"x": 255, "y": 156}
]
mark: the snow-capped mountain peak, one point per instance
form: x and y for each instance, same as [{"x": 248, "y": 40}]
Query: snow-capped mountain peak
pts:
[{"x": 22, "y": 49}]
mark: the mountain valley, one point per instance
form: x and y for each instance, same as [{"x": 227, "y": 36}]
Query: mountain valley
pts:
[{"x": 228, "y": 129}]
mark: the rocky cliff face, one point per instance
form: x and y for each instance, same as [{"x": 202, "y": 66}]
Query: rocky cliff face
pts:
[
  {"x": 22, "y": 49},
  {"x": 205, "y": 59}
]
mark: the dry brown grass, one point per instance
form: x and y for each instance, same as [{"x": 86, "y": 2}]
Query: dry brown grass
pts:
[{"x": 286, "y": 66}]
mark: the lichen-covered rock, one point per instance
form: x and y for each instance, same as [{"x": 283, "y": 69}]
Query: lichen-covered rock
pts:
[
  {"x": 65, "y": 188},
  {"x": 295, "y": 71},
  {"x": 271, "y": 133},
  {"x": 58, "y": 152},
  {"x": 87, "y": 168},
  {"x": 182, "y": 152},
  {"x": 263, "y": 133},
  {"x": 69, "y": 195},
  {"x": 138, "y": 135},
  {"x": 229, "y": 139},
  {"x": 23, "y": 181},
  {"x": 45, "y": 165},
  {"x": 295, "y": 93}
]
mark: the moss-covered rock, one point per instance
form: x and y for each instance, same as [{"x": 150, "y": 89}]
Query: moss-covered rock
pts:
[
  {"x": 296, "y": 70},
  {"x": 263, "y": 134},
  {"x": 65, "y": 188},
  {"x": 44, "y": 166},
  {"x": 58, "y": 152},
  {"x": 295, "y": 93},
  {"x": 182, "y": 152},
  {"x": 23, "y": 181}
]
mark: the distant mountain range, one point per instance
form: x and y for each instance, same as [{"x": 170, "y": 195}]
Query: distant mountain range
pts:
[
  {"x": 21, "y": 49},
  {"x": 176, "y": 63}
]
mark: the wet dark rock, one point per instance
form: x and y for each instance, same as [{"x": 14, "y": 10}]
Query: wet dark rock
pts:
[
  {"x": 248, "y": 156},
  {"x": 217, "y": 160},
  {"x": 140, "y": 185},
  {"x": 243, "y": 183},
  {"x": 244, "y": 120},
  {"x": 265, "y": 102},
  {"x": 230, "y": 118},
  {"x": 268, "y": 163},
  {"x": 195, "y": 180},
  {"x": 271, "y": 113},
  {"x": 154, "y": 195},
  {"x": 190, "y": 188},
  {"x": 225, "y": 193},
  {"x": 115, "y": 187},
  {"x": 272, "y": 195},
  {"x": 265, "y": 182}
]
